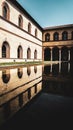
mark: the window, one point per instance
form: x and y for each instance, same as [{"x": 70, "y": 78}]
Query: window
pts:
[
  {"x": 28, "y": 53},
  {"x": 35, "y": 54},
  {"x": 20, "y": 21},
  {"x": 6, "y": 11},
  {"x": 5, "y": 50},
  {"x": 47, "y": 37},
  {"x": 19, "y": 52},
  {"x": 56, "y": 36},
  {"x": 29, "y": 28},
  {"x": 35, "y": 32},
  {"x": 64, "y": 35}
]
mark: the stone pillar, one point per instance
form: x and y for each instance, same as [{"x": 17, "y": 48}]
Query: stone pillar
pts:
[
  {"x": 60, "y": 54},
  {"x": 51, "y": 68},
  {"x": 68, "y": 67},
  {"x": 68, "y": 55},
  {"x": 59, "y": 67}
]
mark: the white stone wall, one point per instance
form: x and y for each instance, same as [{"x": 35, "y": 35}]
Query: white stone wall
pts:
[
  {"x": 14, "y": 14},
  {"x": 16, "y": 36}
]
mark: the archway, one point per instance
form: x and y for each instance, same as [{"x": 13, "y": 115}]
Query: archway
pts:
[
  {"x": 55, "y": 54},
  {"x": 47, "y": 54},
  {"x": 64, "y": 54}
]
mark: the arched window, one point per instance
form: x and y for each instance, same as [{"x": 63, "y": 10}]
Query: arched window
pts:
[
  {"x": 72, "y": 35},
  {"x": 47, "y": 37},
  {"x": 35, "y": 32},
  {"x": 64, "y": 35},
  {"x": 28, "y": 53},
  {"x": 5, "y": 50},
  {"x": 20, "y": 21},
  {"x": 56, "y": 36},
  {"x": 19, "y": 52},
  {"x": 6, "y": 11},
  {"x": 29, "y": 28},
  {"x": 35, "y": 54}
]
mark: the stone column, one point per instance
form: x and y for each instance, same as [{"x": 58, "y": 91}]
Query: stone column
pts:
[
  {"x": 68, "y": 55},
  {"x": 60, "y": 54},
  {"x": 60, "y": 60},
  {"x": 51, "y": 68},
  {"x": 68, "y": 67}
]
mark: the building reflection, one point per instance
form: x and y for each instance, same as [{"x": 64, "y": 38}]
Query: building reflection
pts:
[
  {"x": 28, "y": 70},
  {"x": 63, "y": 68},
  {"x": 6, "y": 76},
  {"x": 35, "y": 69},
  {"x": 20, "y": 72},
  {"x": 18, "y": 90},
  {"x": 58, "y": 79}
]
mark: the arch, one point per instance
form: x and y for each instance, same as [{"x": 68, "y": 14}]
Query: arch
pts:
[
  {"x": 20, "y": 72},
  {"x": 35, "y": 32},
  {"x": 6, "y": 76},
  {"x": 5, "y": 11},
  {"x": 19, "y": 52},
  {"x": 28, "y": 53},
  {"x": 47, "y": 37},
  {"x": 35, "y": 54},
  {"x": 5, "y": 50},
  {"x": 65, "y": 35},
  {"x": 29, "y": 27},
  {"x": 47, "y": 54},
  {"x": 20, "y": 21},
  {"x": 55, "y": 54},
  {"x": 64, "y": 53},
  {"x": 71, "y": 54},
  {"x": 56, "y": 36},
  {"x": 72, "y": 35}
]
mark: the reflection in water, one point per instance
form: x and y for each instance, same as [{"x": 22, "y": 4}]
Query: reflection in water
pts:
[
  {"x": 6, "y": 76},
  {"x": 29, "y": 93},
  {"x": 6, "y": 109},
  {"x": 64, "y": 69},
  {"x": 21, "y": 99},
  {"x": 19, "y": 91},
  {"x": 35, "y": 69},
  {"x": 28, "y": 70},
  {"x": 59, "y": 79},
  {"x": 54, "y": 81},
  {"x": 20, "y": 72}
]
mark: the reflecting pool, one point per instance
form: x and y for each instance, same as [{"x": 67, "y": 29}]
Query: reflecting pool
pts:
[{"x": 37, "y": 92}]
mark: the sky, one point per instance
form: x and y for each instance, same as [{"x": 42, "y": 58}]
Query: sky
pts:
[{"x": 49, "y": 12}]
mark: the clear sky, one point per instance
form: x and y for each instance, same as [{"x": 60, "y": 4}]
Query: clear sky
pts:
[{"x": 49, "y": 12}]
